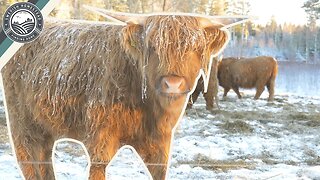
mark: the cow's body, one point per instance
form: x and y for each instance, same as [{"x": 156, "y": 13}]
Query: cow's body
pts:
[
  {"x": 106, "y": 86},
  {"x": 248, "y": 73}
]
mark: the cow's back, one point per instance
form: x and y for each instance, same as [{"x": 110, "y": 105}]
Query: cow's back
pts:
[
  {"x": 246, "y": 72},
  {"x": 70, "y": 59},
  {"x": 70, "y": 68}
]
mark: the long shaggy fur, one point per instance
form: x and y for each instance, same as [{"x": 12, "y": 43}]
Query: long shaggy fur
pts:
[
  {"x": 87, "y": 81},
  {"x": 174, "y": 36}
]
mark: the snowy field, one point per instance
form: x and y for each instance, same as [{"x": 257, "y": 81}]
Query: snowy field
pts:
[{"x": 244, "y": 139}]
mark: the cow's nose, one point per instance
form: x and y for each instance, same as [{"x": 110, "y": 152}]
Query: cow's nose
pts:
[{"x": 173, "y": 85}]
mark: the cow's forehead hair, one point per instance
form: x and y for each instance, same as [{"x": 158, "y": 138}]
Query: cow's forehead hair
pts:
[{"x": 174, "y": 36}]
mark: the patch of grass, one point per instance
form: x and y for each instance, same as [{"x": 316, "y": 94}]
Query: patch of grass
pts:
[
  {"x": 290, "y": 162},
  {"x": 248, "y": 115},
  {"x": 3, "y": 120},
  {"x": 71, "y": 148},
  {"x": 238, "y": 115},
  {"x": 215, "y": 111},
  {"x": 313, "y": 161},
  {"x": 313, "y": 122},
  {"x": 4, "y": 134},
  {"x": 221, "y": 165},
  {"x": 269, "y": 161},
  {"x": 289, "y": 107},
  {"x": 274, "y": 162},
  {"x": 274, "y": 134},
  {"x": 267, "y": 115},
  {"x": 311, "y": 153},
  {"x": 280, "y": 100},
  {"x": 298, "y": 116},
  {"x": 237, "y": 126},
  {"x": 313, "y": 119}
]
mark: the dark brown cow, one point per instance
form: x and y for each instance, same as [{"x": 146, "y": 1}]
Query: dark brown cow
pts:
[
  {"x": 211, "y": 96},
  {"x": 106, "y": 86},
  {"x": 248, "y": 73}
]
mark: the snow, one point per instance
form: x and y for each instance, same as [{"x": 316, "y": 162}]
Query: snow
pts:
[
  {"x": 203, "y": 149},
  {"x": 245, "y": 139}
]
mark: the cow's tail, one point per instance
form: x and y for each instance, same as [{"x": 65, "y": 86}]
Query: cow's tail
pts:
[
  {"x": 271, "y": 83},
  {"x": 275, "y": 70}
]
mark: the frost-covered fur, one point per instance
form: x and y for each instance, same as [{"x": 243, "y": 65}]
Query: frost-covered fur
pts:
[
  {"x": 97, "y": 83},
  {"x": 248, "y": 73}
]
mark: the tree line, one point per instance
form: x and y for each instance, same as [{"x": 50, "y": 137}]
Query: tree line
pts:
[{"x": 283, "y": 41}]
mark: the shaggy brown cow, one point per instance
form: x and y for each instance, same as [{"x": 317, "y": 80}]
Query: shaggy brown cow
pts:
[
  {"x": 106, "y": 86},
  {"x": 248, "y": 73},
  {"x": 211, "y": 96}
]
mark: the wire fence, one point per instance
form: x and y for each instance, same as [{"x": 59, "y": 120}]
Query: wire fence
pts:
[{"x": 155, "y": 164}]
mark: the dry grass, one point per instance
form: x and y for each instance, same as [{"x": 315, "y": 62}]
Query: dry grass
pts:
[
  {"x": 237, "y": 126},
  {"x": 313, "y": 161},
  {"x": 3, "y": 134},
  {"x": 3, "y": 128},
  {"x": 314, "y": 122},
  {"x": 298, "y": 116},
  {"x": 221, "y": 165}
]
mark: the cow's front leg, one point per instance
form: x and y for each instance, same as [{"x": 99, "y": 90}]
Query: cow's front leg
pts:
[
  {"x": 226, "y": 90},
  {"x": 194, "y": 96},
  {"x": 260, "y": 89},
  {"x": 236, "y": 90},
  {"x": 101, "y": 150},
  {"x": 34, "y": 154},
  {"x": 155, "y": 154}
]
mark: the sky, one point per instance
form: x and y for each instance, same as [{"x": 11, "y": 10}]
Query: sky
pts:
[{"x": 289, "y": 11}]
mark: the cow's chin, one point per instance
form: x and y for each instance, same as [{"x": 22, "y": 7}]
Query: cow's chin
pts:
[
  {"x": 173, "y": 102},
  {"x": 172, "y": 96}
]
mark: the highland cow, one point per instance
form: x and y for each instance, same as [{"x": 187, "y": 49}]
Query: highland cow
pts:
[
  {"x": 248, "y": 73},
  {"x": 106, "y": 85}
]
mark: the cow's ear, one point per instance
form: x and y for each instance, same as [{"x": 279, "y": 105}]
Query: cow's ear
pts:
[
  {"x": 131, "y": 40},
  {"x": 217, "y": 39}
]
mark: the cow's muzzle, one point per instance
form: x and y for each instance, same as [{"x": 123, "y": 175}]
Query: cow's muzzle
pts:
[{"x": 173, "y": 86}]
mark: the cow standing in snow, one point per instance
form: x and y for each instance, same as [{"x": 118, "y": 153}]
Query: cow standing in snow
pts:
[
  {"x": 106, "y": 85},
  {"x": 248, "y": 73}
]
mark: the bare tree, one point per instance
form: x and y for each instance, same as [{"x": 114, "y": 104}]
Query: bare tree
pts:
[{"x": 164, "y": 5}]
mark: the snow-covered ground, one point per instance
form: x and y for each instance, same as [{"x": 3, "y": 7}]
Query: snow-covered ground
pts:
[
  {"x": 249, "y": 139},
  {"x": 245, "y": 139}
]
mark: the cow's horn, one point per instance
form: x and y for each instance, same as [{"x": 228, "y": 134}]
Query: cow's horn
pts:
[
  {"x": 118, "y": 16},
  {"x": 229, "y": 21},
  {"x": 205, "y": 22}
]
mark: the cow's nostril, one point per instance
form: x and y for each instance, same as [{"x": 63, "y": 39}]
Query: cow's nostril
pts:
[
  {"x": 167, "y": 83},
  {"x": 173, "y": 84}
]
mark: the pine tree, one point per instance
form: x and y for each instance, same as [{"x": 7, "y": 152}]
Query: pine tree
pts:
[
  {"x": 217, "y": 7},
  {"x": 312, "y": 8}
]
